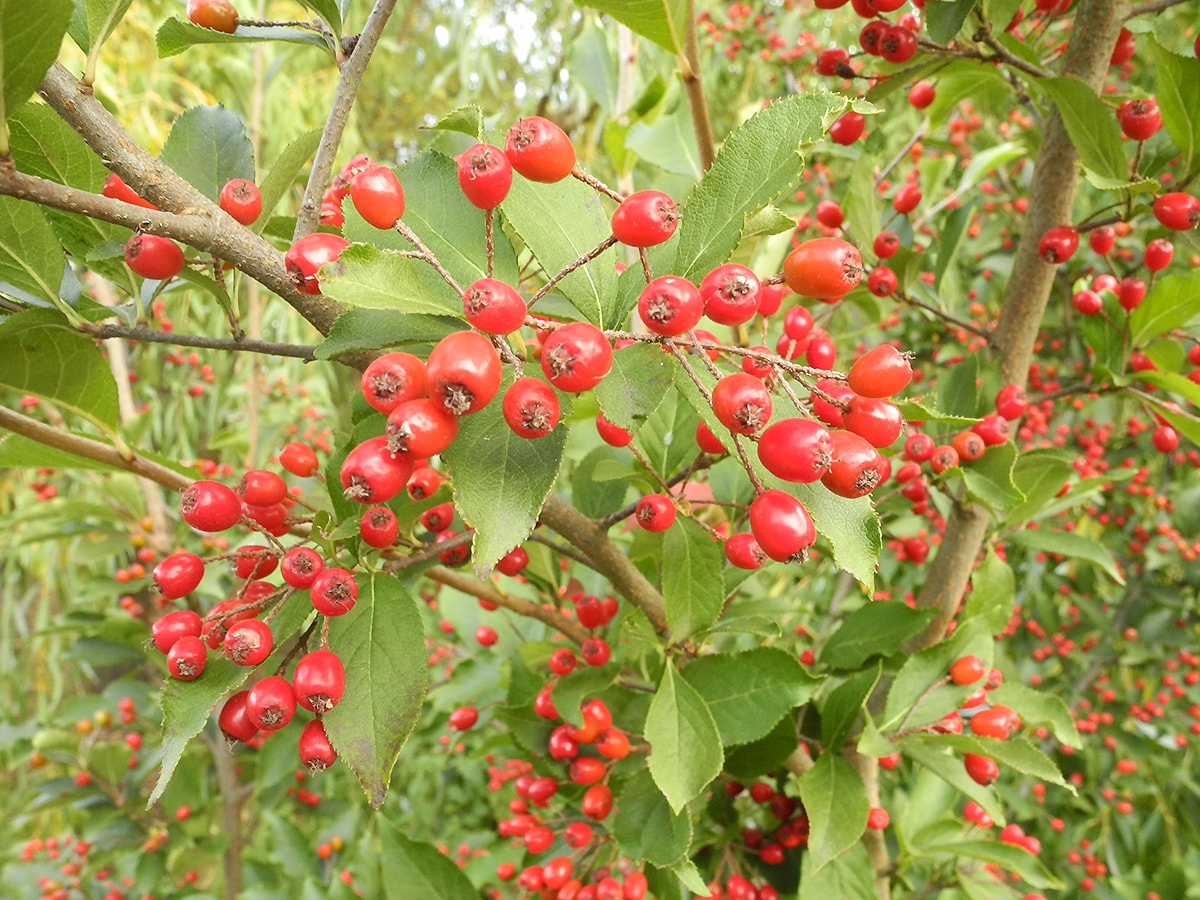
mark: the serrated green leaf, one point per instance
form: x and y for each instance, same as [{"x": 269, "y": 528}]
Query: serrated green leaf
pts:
[
  {"x": 501, "y": 481},
  {"x": 685, "y": 746},
  {"x": 993, "y": 588},
  {"x": 952, "y": 236},
  {"x": 1092, "y": 127},
  {"x": 847, "y": 877},
  {"x": 18, "y": 451},
  {"x": 1065, "y": 543},
  {"x": 574, "y": 689},
  {"x": 645, "y": 825},
  {"x": 758, "y": 162},
  {"x": 925, "y": 411},
  {"x": 691, "y": 579},
  {"x": 1007, "y": 856},
  {"x": 1174, "y": 300},
  {"x": 835, "y": 801},
  {"x": 329, "y": 10},
  {"x": 29, "y": 44},
  {"x": 41, "y": 354},
  {"x": 641, "y": 376},
  {"x": 416, "y": 869},
  {"x": 380, "y": 641},
  {"x": 31, "y": 259},
  {"x": 946, "y": 18},
  {"x": 949, "y": 767},
  {"x": 748, "y": 693},
  {"x": 596, "y": 497},
  {"x": 850, "y": 526},
  {"x": 767, "y": 221},
  {"x": 102, "y": 17},
  {"x": 662, "y": 21},
  {"x": 174, "y": 36},
  {"x": 875, "y": 629},
  {"x": 1038, "y": 709},
  {"x": 958, "y": 391},
  {"x": 861, "y": 204},
  {"x": 1177, "y": 92},
  {"x": 1039, "y": 475},
  {"x": 369, "y": 277},
  {"x": 767, "y": 754},
  {"x": 990, "y": 479},
  {"x": 375, "y": 329},
  {"x": 913, "y": 700},
  {"x": 208, "y": 146},
  {"x": 186, "y": 706},
  {"x": 841, "y": 706},
  {"x": 668, "y": 437},
  {"x": 466, "y": 120},
  {"x": 284, "y": 171},
  {"x": 1107, "y": 183},
  {"x": 1015, "y": 753},
  {"x": 535, "y": 212}
]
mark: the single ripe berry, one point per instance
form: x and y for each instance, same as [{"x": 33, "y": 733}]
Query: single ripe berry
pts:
[
  {"x": 967, "y": 670},
  {"x": 611, "y": 434},
  {"x": 1139, "y": 119},
  {"x": 742, "y": 403},
  {"x": 153, "y": 257},
  {"x": 847, "y": 128},
  {"x": 334, "y": 592},
  {"x": 233, "y": 720},
  {"x": 823, "y": 268},
  {"x": 304, "y": 258},
  {"x": 1177, "y": 211},
  {"x": 530, "y": 408},
  {"x": 319, "y": 681},
  {"x": 882, "y": 371},
  {"x": 377, "y": 195},
  {"x": 463, "y": 372},
  {"x": 670, "y": 306},
  {"x": 300, "y": 566},
  {"x": 378, "y": 527},
  {"x": 187, "y": 658},
  {"x": 645, "y": 219},
  {"x": 242, "y": 200},
  {"x": 173, "y": 626},
  {"x": 391, "y": 379},
  {"x": 316, "y": 752},
  {"x": 576, "y": 357},
  {"x": 210, "y": 506},
  {"x": 798, "y": 449},
  {"x": 217, "y": 15},
  {"x": 743, "y": 551},
  {"x": 781, "y": 525},
  {"x": 493, "y": 306},
  {"x": 539, "y": 149},
  {"x": 464, "y": 718},
  {"x": 485, "y": 175},
  {"x": 981, "y": 769},
  {"x": 373, "y": 473},
  {"x": 178, "y": 574},
  {"x": 1058, "y": 244},
  {"x": 299, "y": 459},
  {"x": 655, "y": 512},
  {"x": 270, "y": 704},
  {"x": 730, "y": 294},
  {"x": 249, "y": 642},
  {"x": 420, "y": 428},
  {"x": 857, "y": 469}
]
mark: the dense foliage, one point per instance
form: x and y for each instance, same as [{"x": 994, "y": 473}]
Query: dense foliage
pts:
[{"x": 606, "y": 450}]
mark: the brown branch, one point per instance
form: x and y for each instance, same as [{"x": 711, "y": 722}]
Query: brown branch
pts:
[
  {"x": 946, "y": 317},
  {"x": 92, "y": 449},
  {"x": 693, "y": 86},
  {"x": 1051, "y": 197},
  {"x": 1156, "y": 7},
  {"x": 339, "y": 113},
  {"x": 199, "y": 222},
  {"x": 571, "y": 267},
  {"x": 873, "y": 839},
  {"x": 150, "y": 336},
  {"x": 460, "y": 581},
  {"x": 606, "y": 557}
]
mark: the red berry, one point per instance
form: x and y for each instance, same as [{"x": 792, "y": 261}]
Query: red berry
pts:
[
  {"x": 877, "y": 420},
  {"x": 217, "y": 15},
  {"x": 1158, "y": 255},
  {"x": 173, "y": 626},
  {"x": 576, "y": 357},
  {"x": 611, "y": 434},
  {"x": 1058, "y": 244},
  {"x": 878, "y": 818},
  {"x": 1177, "y": 211},
  {"x": 299, "y": 459},
  {"x": 645, "y": 218},
  {"x": 242, "y": 200},
  {"x": 995, "y": 722},
  {"x": 178, "y": 575},
  {"x": 823, "y": 268},
  {"x": 530, "y": 408},
  {"x": 377, "y": 195},
  {"x": 485, "y": 175},
  {"x": 539, "y": 149},
  {"x": 982, "y": 769},
  {"x": 781, "y": 525},
  {"x": 830, "y": 214},
  {"x": 419, "y": 429},
  {"x": 300, "y": 566},
  {"x": 210, "y": 506},
  {"x": 153, "y": 257},
  {"x": 670, "y": 306},
  {"x": 882, "y": 371},
  {"x": 493, "y": 306},
  {"x": 464, "y": 718},
  {"x": 798, "y": 450},
  {"x": 463, "y": 372},
  {"x": 730, "y": 294},
  {"x": 316, "y": 752},
  {"x": 742, "y": 403},
  {"x": 847, "y": 128},
  {"x": 117, "y": 189},
  {"x": 857, "y": 467},
  {"x": 595, "y": 651},
  {"x": 249, "y": 642},
  {"x": 334, "y": 592},
  {"x": 922, "y": 94},
  {"x": 1139, "y": 119},
  {"x": 391, "y": 379},
  {"x": 372, "y": 473},
  {"x": 513, "y": 562},
  {"x": 597, "y": 802},
  {"x": 655, "y": 512},
  {"x": 187, "y": 658},
  {"x": 233, "y": 720},
  {"x": 378, "y": 527},
  {"x": 743, "y": 551},
  {"x": 319, "y": 681},
  {"x": 270, "y": 704},
  {"x": 304, "y": 258},
  {"x": 967, "y": 670}
]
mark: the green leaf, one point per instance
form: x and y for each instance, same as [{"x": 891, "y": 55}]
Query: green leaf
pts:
[
  {"x": 1070, "y": 544},
  {"x": 367, "y": 276},
  {"x": 662, "y": 21},
  {"x": 846, "y": 877},
  {"x": 573, "y": 690},
  {"x": 836, "y": 803},
  {"x": 175, "y": 36},
  {"x": 381, "y": 642},
  {"x": 951, "y": 240},
  {"x": 993, "y": 588},
  {"x": 417, "y": 869},
  {"x": 765, "y": 755},
  {"x": 596, "y": 497},
  {"x": 1105, "y": 183},
  {"x": 842, "y": 705},
  {"x": 1177, "y": 92},
  {"x": 669, "y": 142},
  {"x": 1015, "y": 753},
  {"x": 41, "y": 354},
  {"x": 1176, "y": 384},
  {"x": 208, "y": 146},
  {"x": 373, "y": 329},
  {"x": 535, "y": 213},
  {"x": 102, "y": 18},
  {"x": 924, "y": 411},
  {"x": 946, "y": 18},
  {"x": 1038, "y": 709},
  {"x": 641, "y": 376},
  {"x": 1007, "y": 856},
  {"x": 949, "y": 767},
  {"x": 329, "y": 10},
  {"x": 1039, "y": 475},
  {"x": 913, "y": 700},
  {"x": 1173, "y": 301},
  {"x": 29, "y": 43},
  {"x": 757, "y": 163},
  {"x": 668, "y": 437},
  {"x": 1092, "y": 127},
  {"x": 685, "y": 746},
  {"x": 501, "y": 481},
  {"x": 877, "y": 628},
  {"x": 646, "y": 827},
  {"x": 748, "y": 693},
  {"x": 767, "y": 221},
  {"x": 850, "y": 526},
  {"x": 861, "y": 203},
  {"x": 990, "y": 478},
  {"x": 186, "y": 707},
  {"x": 958, "y": 391},
  {"x": 691, "y": 579},
  {"x": 466, "y": 120},
  {"x": 284, "y": 171},
  {"x": 31, "y": 259}
]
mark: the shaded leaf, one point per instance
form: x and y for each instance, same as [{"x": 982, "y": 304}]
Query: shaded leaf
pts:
[
  {"x": 841, "y": 706},
  {"x": 993, "y": 588},
  {"x": 29, "y": 44},
  {"x": 645, "y": 825},
  {"x": 1038, "y": 709},
  {"x": 1177, "y": 92},
  {"x": 913, "y": 700},
  {"x": 1007, "y": 856},
  {"x": 102, "y": 16},
  {"x": 685, "y": 746},
  {"x": 417, "y": 869},
  {"x": 947, "y": 17},
  {"x": 1039, "y": 475},
  {"x": 174, "y": 36},
  {"x": 662, "y": 21},
  {"x": 1069, "y": 544},
  {"x": 691, "y": 578},
  {"x": 208, "y": 146},
  {"x": 748, "y": 693},
  {"x": 382, "y": 645},
  {"x": 1173, "y": 301},
  {"x": 877, "y": 628},
  {"x": 1015, "y": 753},
  {"x": 31, "y": 259},
  {"x": 949, "y": 767},
  {"x": 284, "y": 171},
  {"x": 836, "y": 803},
  {"x": 1092, "y": 127},
  {"x": 990, "y": 478},
  {"x": 641, "y": 376},
  {"x": 846, "y": 877},
  {"x": 373, "y": 329}
]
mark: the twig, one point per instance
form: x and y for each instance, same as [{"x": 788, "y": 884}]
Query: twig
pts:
[
  {"x": 106, "y": 331},
  {"x": 946, "y": 317},
  {"x": 571, "y": 267},
  {"x": 596, "y": 184},
  {"x": 429, "y": 256},
  {"x": 1155, "y": 7},
  {"x": 351, "y": 75}
]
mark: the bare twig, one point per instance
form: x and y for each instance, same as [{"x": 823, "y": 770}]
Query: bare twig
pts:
[{"x": 151, "y": 336}]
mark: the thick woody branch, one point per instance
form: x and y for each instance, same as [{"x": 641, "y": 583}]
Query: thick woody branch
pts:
[
  {"x": 198, "y": 221},
  {"x": 339, "y": 113},
  {"x": 460, "y": 581},
  {"x": 606, "y": 557}
]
